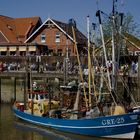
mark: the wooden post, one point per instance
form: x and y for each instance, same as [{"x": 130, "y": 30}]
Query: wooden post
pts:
[
  {"x": 0, "y": 90},
  {"x": 61, "y": 98},
  {"x": 14, "y": 90},
  {"x": 49, "y": 90},
  {"x": 25, "y": 91},
  {"x": 138, "y": 79}
]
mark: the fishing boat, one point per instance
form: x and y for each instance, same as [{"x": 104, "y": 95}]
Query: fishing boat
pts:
[
  {"x": 115, "y": 124},
  {"x": 118, "y": 126}
]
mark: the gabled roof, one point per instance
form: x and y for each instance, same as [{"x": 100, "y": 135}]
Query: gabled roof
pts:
[
  {"x": 65, "y": 28},
  {"x": 133, "y": 43},
  {"x": 80, "y": 37},
  {"x": 14, "y": 29}
]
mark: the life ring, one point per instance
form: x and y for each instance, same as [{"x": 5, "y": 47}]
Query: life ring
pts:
[
  {"x": 17, "y": 104},
  {"x": 30, "y": 104},
  {"x": 68, "y": 103}
]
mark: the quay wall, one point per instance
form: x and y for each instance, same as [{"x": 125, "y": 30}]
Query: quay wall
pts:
[{"x": 12, "y": 84}]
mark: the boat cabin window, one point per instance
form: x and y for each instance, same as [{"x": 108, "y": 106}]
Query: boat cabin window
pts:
[
  {"x": 46, "y": 96},
  {"x": 37, "y": 96},
  {"x": 41, "y": 96}
]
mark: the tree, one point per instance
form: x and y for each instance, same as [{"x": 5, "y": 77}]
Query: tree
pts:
[{"x": 128, "y": 25}]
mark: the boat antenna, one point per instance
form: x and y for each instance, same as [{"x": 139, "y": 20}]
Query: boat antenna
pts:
[
  {"x": 97, "y": 3},
  {"x": 113, "y": 9},
  {"x": 120, "y": 32}
]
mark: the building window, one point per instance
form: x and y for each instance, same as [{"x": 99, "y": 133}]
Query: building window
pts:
[
  {"x": 23, "y": 53},
  {"x": 12, "y": 53},
  {"x": 130, "y": 53},
  {"x": 57, "y": 37},
  {"x": 43, "y": 38},
  {"x": 59, "y": 52},
  {"x": 50, "y": 52},
  {"x": 69, "y": 52},
  {"x": 3, "y": 53}
]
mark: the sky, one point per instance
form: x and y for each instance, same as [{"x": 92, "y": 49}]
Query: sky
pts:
[{"x": 63, "y": 10}]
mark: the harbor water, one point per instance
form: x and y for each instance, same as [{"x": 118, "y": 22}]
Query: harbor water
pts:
[{"x": 12, "y": 128}]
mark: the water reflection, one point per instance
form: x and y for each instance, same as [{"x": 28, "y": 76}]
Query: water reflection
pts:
[
  {"x": 12, "y": 128},
  {"x": 49, "y": 134}
]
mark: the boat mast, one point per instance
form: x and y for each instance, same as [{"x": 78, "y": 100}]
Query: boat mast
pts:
[
  {"x": 120, "y": 42},
  {"x": 104, "y": 49},
  {"x": 94, "y": 60},
  {"x": 116, "y": 45},
  {"x": 119, "y": 48},
  {"x": 98, "y": 14},
  {"x": 113, "y": 47},
  {"x": 29, "y": 83},
  {"x": 66, "y": 62},
  {"x": 89, "y": 62},
  {"x": 79, "y": 62}
]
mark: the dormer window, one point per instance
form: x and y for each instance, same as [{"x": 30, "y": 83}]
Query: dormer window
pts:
[
  {"x": 43, "y": 38},
  {"x": 9, "y": 27},
  {"x": 57, "y": 37}
]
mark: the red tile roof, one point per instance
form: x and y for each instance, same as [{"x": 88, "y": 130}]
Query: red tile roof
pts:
[{"x": 15, "y": 30}]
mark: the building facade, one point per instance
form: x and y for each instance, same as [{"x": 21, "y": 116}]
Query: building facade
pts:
[
  {"x": 58, "y": 37},
  {"x": 29, "y": 36}
]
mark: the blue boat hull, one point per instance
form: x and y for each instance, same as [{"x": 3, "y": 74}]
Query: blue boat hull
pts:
[{"x": 117, "y": 126}]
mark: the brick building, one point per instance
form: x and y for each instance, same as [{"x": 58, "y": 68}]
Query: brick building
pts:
[
  {"x": 58, "y": 37},
  {"x": 22, "y": 36}
]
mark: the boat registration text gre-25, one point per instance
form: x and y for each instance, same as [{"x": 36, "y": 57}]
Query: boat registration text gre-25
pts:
[{"x": 113, "y": 121}]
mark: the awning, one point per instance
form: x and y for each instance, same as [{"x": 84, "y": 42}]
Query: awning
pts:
[
  {"x": 12, "y": 49},
  {"x": 3, "y": 49},
  {"x": 32, "y": 48},
  {"x": 22, "y": 48}
]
